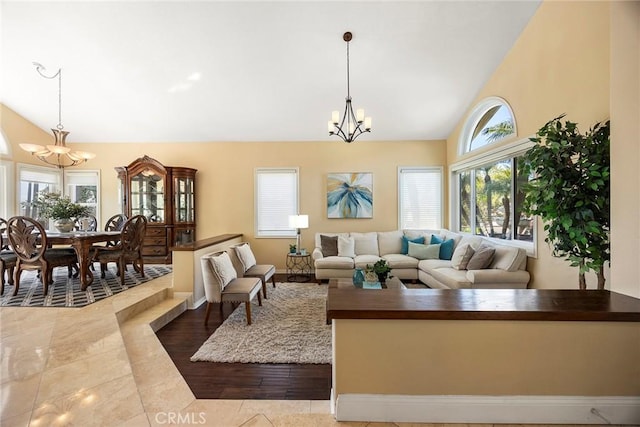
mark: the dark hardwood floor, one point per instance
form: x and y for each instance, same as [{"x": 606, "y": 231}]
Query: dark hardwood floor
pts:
[{"x": 183, "y": 336}]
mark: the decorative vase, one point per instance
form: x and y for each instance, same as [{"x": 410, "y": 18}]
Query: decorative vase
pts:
[
  {"x": 370, "y": 276},
  {"x": 358, "y": 277},
  {"x": 64, "y": 225}
]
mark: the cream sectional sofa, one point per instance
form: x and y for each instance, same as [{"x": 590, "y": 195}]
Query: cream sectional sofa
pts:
[{"x": 506, "y": 269}]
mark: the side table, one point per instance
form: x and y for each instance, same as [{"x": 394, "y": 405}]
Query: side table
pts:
[{"x": 298, "y": 267}]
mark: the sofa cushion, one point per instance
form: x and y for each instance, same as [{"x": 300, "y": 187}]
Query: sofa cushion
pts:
[
  {"x": 508, "y": 258},
  {"x": 450, "y": 235},
  {"x": 361, "y": 261},
  {"x": 365, "y": 243},
  {"x": 329, "y": 245},
  {"x": 389, "y": 242},
  {"x": 401, "y": 261},
  {"x": 318, "y": 241},
  {"x": 419, "y": 251},
  {"x": 446, "y": 246},
  {"x": 346, "y": 247},
  {"x": 405, "y": 243},
  {"x": 432, "y": 264},
  {"x": 461, "y": 256},
  {"x": 452, "y": 278},
  {"x": 481, "y": 258},
  {"x": 474, "y": 241},
  {"x": 335, "y": 262}
]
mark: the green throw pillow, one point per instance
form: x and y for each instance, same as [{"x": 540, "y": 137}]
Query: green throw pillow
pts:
[
  {"x": 419, "y": 251},
  {"x": 446, "y": 246},
  {"x": 405, "y": 243}
]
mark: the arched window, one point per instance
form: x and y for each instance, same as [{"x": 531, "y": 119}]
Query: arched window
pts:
[
  {"x": 490, "y": 121},
  {"x": 488, "y": 185}
]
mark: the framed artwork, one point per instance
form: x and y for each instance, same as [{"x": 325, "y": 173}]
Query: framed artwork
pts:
[{"x": 350, "y": 195}]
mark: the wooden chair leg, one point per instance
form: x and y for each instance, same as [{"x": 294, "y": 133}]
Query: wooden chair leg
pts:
[
  {"x": 273, "y": 280},
  {"x": 16, "y": 280},
  {"x": 259, "y": 300},
  {"x": 247, "y": 305},
  {"x": 264, "y": 289},
  {"x": 206, "y": 314}
]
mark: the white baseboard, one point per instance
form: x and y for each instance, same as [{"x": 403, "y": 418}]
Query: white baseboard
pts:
[
  {"x": 489, "y": 409},
  {"x": 191, "y": 305}
]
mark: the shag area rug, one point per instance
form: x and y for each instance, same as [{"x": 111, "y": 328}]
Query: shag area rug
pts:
[
  {"x": 290, "y": 327},
  {"x": 65, "y": 291}
]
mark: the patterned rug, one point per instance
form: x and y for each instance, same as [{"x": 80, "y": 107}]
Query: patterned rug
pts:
[
  {"x": 65, "y": 291},
  {"x": 290, "y": 327}
]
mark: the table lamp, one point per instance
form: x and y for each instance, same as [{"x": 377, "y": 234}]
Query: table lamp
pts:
[{"x": 298, "y": 222}]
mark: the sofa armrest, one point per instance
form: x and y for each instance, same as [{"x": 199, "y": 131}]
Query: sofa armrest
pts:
[
  {"x": 317, "y": 254},
  {"x": 497, "y": 276}
]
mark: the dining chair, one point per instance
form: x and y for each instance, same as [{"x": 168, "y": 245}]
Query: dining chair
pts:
[
  {"x": 29, "y": 241},
  {"x": 128, "y": 249},
  {"x": 8, "y": 258},
  {"x": 91, "y": 223}
]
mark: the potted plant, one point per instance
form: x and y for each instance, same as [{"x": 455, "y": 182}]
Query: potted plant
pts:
[
  {"x": 61, "y": 209},
  {"x": 570, "y": 192},
  {"x": 381, "y": 269},
  {"x": 292, "y": 249}
]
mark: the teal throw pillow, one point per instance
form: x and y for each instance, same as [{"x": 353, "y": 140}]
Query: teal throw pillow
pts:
[
  {"x": 446, "y": 246},
  {"x": 419, "y": 251},
  {"x": 405, "y": 243}
]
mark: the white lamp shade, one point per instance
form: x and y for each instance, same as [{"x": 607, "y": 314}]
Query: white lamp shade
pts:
[{"x": 299, "y": 221}]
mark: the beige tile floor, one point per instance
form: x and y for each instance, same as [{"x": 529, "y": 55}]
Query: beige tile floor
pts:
[{"x": 84, "y": 367}]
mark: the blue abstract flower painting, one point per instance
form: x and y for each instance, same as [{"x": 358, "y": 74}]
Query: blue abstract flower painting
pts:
[{"x": 350, "y": 195}]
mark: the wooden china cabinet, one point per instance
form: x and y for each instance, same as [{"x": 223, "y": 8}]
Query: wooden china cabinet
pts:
[{"x": 166, "y": 196}]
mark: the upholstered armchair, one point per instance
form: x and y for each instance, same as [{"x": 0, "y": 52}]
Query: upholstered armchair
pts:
[
  {"x": 245, "y": 262},
  {"x": 221, "y": 284}
]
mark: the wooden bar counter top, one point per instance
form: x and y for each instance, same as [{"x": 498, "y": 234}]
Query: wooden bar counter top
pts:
[{"x": 481, "y": 304}]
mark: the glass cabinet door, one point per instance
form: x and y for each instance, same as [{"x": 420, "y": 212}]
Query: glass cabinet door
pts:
[
  {"x": 184, "y": 200},
  {"x": 147, "y": 196}
]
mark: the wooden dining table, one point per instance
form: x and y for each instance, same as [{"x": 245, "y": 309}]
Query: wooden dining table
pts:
[{"x": 82, "y": 242}]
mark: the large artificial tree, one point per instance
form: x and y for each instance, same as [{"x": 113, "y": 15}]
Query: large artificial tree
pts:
[{"x": 569, "y": 190}]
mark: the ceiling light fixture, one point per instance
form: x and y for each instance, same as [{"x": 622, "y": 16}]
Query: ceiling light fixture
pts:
[
  {"x": 58, "y": 154},
  {"x": 352, "y": 125}
]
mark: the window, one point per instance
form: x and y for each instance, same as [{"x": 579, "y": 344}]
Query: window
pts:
[
  {"x": 490, "y": 121},
  {"x": 487, "y": 187},
  {"x": 32, "y": 181},
  {"x": 83, "y": 187},
  {"x": 420, "y": 197},
  {"x": 491, "y": 199},
  {"x": 276, "y": 194},
  {"x": 6, "y": 184}
]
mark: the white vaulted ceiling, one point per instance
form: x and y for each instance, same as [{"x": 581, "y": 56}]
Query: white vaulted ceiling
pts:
[{"x": 157, "y": 71}]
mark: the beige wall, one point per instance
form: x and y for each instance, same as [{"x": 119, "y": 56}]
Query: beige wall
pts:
[
  {"x": 494, "y": 358},
  {"x": 625, "y": 147},
  {"x": 225, "y": 178},
  {"x": 560, "y": 64}
]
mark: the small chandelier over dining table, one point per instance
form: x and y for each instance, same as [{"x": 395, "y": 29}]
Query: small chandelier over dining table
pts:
[
  {"x": 352, "y": 125},
  {"x": 58, "y": 154}
]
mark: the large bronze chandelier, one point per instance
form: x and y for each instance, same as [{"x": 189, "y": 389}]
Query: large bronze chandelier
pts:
[{"x": 58, "y": 154}]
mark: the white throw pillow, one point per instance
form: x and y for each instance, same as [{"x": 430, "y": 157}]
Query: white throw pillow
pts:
[
  {"x": 223, "y": 268},
  {"x": 245, "y": 255},
  {"x": 461, "y": 256},
  {"x": 365, "y": 243},
  {"x": 346, "y": 247},
  {"x": 390, "y": 242}
]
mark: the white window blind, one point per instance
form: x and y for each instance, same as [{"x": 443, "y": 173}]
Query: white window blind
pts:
[
  {"x": 276, "y": 199},
  {"x": 420, "y": 197}
]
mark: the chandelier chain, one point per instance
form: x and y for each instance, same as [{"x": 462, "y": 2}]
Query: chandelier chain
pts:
[{"x": 40, "y": 68}]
